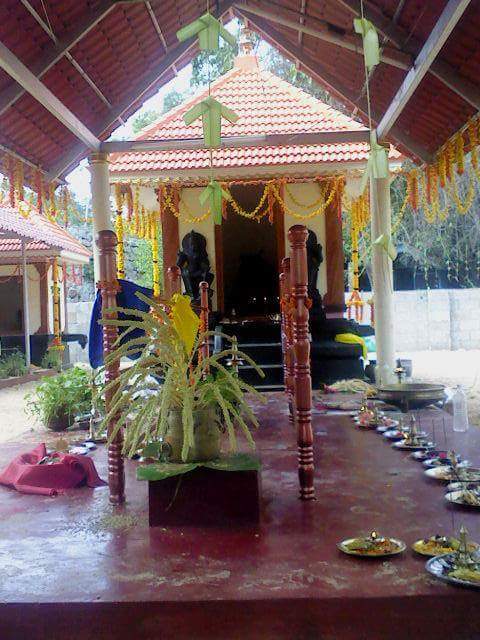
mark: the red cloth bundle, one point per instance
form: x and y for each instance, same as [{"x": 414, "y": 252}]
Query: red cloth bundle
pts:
[{"x": 25, "y": 474}]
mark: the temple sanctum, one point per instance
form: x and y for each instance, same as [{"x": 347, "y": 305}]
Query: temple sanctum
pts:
[{"x": 284, "y": 173}]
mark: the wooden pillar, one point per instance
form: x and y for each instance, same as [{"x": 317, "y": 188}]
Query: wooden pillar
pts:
[
  {"x": 108, "y": 286},
  {"x": 173, "y": 282},
  {"x": 334, "y": 299},
  {"x": 204, "y": 313},
  {"x": 170, "y": 233},
  {"x": 288, "y": 348},
  {"x": 297, "y": 236}
]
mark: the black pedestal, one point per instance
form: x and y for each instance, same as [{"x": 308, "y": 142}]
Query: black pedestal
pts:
[{"x": 205, "y": 497}]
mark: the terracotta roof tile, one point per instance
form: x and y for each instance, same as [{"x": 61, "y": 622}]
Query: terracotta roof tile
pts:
[
  {"x": 265, "y": 104},
  {"x": 41, "y": 233}
]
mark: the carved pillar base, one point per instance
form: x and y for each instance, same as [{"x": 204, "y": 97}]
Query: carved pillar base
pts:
[
  {"x": 297, "y": 236},
  {"x": 108, "y": 286}
]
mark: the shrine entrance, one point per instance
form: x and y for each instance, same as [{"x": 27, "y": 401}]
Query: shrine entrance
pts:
[{"x": 250, "y": 257}]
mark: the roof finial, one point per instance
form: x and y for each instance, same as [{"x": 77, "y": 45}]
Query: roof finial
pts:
[
  {"x": 246, "y": 59},
  {"x": 246, "y": 42}
]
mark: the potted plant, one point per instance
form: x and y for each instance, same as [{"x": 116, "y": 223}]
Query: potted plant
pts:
[
  {"x": 57, "y": 400},
  {"x": 194, "y": 400}
]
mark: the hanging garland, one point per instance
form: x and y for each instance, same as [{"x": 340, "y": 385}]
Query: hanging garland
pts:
[
  {"x": 119, "y": 231},
  {"x": 56, "y": 344}
]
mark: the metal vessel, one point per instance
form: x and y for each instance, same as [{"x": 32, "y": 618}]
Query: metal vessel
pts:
[{"x": 411, "y": 395}]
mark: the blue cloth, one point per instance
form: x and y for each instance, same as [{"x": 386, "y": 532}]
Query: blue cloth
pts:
[{"x": 126, "y": 298}]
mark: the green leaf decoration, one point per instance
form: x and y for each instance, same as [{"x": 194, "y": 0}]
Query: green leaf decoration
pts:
[
  {"x": 377, "y": 165},
  {"x": 209, "y": 31},
  {"x": 215, "y": 194},
  {"x": 385, "y": 241},
  {"x": 211, "y": 111},
  {"x": 164, "y": 470},
  {"x": 371, "y": 48}
]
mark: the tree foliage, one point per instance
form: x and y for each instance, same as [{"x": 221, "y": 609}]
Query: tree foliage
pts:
[{"x": 143, "y": 119}]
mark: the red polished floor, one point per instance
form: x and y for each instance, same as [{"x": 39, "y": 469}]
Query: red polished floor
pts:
[{"x": 68, "y": 570}]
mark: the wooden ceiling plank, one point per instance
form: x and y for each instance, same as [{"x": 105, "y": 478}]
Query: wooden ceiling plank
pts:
[
  {"x": 388, "y": 56},
  {"x": 56, "y": 51},
  {"x": 444, "y": 26},
  {"x": 318, "y": 72},
  {"x": 21, "y": 74},
  {"x": 442, "y": 70},
  {"x": 171, "y": 58}
]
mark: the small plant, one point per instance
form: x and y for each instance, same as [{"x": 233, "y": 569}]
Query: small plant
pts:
[
  {"x": 13, "y": 365},
  {"x": 52, "y": 359},
  {"x": 57, "y": 400},
  {"x": 197, "y": 400}
]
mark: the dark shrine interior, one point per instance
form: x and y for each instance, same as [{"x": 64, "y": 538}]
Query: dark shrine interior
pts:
[{"x": 250, "y": 270}]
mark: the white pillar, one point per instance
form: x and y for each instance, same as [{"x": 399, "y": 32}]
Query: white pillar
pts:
[
  {"x": 381, "y": 222},
  {"x": 101, "y": 213},
  {"x": 26, "y": 313}
]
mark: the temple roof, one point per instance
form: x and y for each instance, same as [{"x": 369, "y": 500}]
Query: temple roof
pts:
[
  {"x": 266, "y": 105},
  {"x": 45, "y": 239}
]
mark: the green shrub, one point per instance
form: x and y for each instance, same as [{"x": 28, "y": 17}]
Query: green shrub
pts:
[
  {"x": 52, "y": 359},
  {"x": 68, "y": 394},
  {"x": 13, "y": 365}
]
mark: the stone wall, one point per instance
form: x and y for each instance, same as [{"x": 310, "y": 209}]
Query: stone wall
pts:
[{"x": 435, "y": 319}]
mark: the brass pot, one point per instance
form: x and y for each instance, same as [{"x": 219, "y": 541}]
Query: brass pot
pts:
[{"x": 206, "y": 436}]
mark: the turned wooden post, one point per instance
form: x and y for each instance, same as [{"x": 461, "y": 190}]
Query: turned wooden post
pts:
[
  {"x": 108, "y": 286},
  {"x": 297, "y": 236},
  {"x": 204, "y": 312},
  {"x": 289, "y": 356},
  {"x": 174, "y": 281}
]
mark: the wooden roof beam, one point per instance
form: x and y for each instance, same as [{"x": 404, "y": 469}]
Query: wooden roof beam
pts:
[
  {"x": 153, "y": 77},
  {"x": 25, "y": 78},
  {"x": 444, "y": 26},
  {"x": 323, "y": 76},
  {"x": 268, "y": 140},
  {"x": 389, "y": 56},
  {"x": 442, "y": 70},
  {"x": 54, "y": 52}
]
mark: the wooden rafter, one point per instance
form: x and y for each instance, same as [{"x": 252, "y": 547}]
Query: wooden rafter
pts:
[
  {"x": 321, "y": 74},
  {"x": 228, "y": 142},
  {"x": 449, "y": 17},
  {"x": 54, "y": 52},
  {"x": 153, "y": 77},
  {"x": 21, "y": 74},
  {"x": 321, "y": 31},
  {"x": 443, "y": 71}
]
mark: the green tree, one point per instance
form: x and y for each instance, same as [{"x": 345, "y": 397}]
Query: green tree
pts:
[
  {"x": 172, "y": 99},
  {"x": 274, "y": 62},
  {"x": 208, "y": 66},
  {"x": 143, "y": 119}
]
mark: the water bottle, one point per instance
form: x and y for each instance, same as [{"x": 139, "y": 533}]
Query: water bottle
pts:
[{"x": 460, "y": 410}]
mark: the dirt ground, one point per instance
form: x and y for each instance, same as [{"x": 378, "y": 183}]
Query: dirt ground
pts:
[{"x": 448, "y": 367}]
